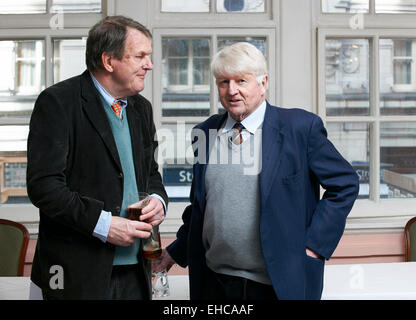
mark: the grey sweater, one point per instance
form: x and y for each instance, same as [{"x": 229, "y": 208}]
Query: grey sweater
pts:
[{"x": 231, "y": 222}]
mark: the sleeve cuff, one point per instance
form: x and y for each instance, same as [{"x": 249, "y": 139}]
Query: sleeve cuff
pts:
[
  {"x": 161, "y": 200},
  {"x": 103, "y": 226}
]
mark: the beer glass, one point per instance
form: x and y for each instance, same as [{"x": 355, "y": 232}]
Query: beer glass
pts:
[
  {"x": 152, "y": 246},
  {"x": 152, "y": 249},
  {"x": 133, "y": 197}
]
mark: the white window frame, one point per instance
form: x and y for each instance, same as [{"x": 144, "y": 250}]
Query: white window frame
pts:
[
  {"x": 214, "y": 34},
  {"x": 373, "y": 214},
  {"x": 412, "y": 85},
  {"x": 190, "y": 87},
  {"x": 213, "y": 18},
  {"x": 37, "y": 27}
]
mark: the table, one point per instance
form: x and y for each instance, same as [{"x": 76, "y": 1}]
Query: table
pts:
[
  {"x": 14, "y": 288},
  {"x": 376, "y": 281},
  {"x": 21, "y": 288}
]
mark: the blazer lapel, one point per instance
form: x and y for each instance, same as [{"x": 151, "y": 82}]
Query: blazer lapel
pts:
[
  {"x": 96, "y": 113},
  {"x": 272, "y": 141}
]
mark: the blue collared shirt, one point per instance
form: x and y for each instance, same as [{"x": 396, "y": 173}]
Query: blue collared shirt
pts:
[
  {"x": 108, "y": 98},
  {"x": 104, "y": 221}
]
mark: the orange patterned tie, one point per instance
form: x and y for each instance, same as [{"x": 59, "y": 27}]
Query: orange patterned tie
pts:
[
  {"x": 238, "y": 138},
  {"x": 117, "y": 108}
]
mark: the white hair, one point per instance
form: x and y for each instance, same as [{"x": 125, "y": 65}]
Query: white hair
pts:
[{"x": 237, "y": 59}]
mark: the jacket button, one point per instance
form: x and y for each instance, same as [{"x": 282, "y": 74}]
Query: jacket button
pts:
[
  {"x": 121, "y": 175},
  {"x": 118, "y": 209}
]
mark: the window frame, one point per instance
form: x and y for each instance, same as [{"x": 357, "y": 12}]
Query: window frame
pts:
[
  {"x": 412, "y": 59},
  {"x": 48, "y": 37},
  {"x": 373, "y": 214},
  {"x": 36, "y": 27},
  {"x": 190, "y": 87},
  {"x": 211, "y": 18},
  {"x": 214, "y": 34}
]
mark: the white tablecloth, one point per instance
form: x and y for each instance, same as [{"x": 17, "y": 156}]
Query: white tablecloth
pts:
[
  {"x": 21, "y": 288},
  {"x": 377, "y": 281}
]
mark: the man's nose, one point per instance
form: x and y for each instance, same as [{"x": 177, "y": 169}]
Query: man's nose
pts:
[
  {"x": 148, "y": 65},
  {"x": 232, "y": 88}
]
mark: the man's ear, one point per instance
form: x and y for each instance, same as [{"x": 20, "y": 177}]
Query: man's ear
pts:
[
  {"x": 107, "y": 61},
  {"x": 264, "y": 83}
]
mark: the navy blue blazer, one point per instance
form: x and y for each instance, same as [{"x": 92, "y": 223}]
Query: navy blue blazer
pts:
[{"x": 297, "y": 158}]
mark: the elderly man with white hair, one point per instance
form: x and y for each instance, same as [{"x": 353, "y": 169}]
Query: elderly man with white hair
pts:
[{"x": 264, "y": 233}]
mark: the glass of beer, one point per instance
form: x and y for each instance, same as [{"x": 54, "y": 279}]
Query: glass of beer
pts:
[
  {"x": 152, "y": 249},
  {"x": 152, "y": 246},
  {"x": 142, "y": 198}
]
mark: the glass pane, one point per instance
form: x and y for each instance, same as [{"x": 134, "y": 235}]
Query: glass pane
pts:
[
  {"x": 397, "y": 77},
  {"x": 13, "y": 164},
  {"x": 398, "y": 158},
  {"x": 68, "y": 58},
  {"x": 185, "y": 6},
  {"x": 347, "y": 77},
  {"x": 345, "y": 6},
  {"x": 176, "y": 158},
  {"x": 396, "y": 6},
  {"x": 23, "y": 77},
  {"x": 352, "y": 141},
  {"x": 22, "y": 6},
  {"x": 240, "y": 5},
  {"x": 76, "y": 6},
  {"x": 185, "y": 76},
  {"x": 178, "y": 71},
  {"x": 201, "y": 71},
  {"x": 13, "y": 138}
]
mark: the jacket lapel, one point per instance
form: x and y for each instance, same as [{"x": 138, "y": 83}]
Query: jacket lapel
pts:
[
  {"x": 272, "y": 141},
  {"x": 96, "y": 114}
]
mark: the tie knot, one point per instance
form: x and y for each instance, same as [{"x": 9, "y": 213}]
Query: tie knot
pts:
[
  {"x": 117, "y": 108},
  {"x": 117, "y": 103},
  {"x": 237, "y": 138},
  {"x": 238, "y": 126}
]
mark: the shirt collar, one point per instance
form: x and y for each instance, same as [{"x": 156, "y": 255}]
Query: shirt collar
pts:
[
  {"x": 251, "y": 123},
  {"x": 106, "y": 96}
]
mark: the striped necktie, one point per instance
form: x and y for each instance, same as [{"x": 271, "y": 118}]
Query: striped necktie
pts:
[
  {"x": 237, "y": 137},
  {"x": 117, "y": 108}
]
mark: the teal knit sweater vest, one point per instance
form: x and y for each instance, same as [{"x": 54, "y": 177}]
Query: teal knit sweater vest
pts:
[{"x": 121, "y": 133}]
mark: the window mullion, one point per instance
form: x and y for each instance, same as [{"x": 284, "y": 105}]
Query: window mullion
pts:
[
  {"x": 213, "y": 6},
  {"x": 375, "y": 125},
  {"x": 213, "y": 95},
  {"x": 48, "y": 6},
  {"x": 374, "y": 77},
  {"x": 372, "y": 9},
  {"x": 375, "y": 161},
  {"x": 190, "y": 64},
  {"x": 48, "y": 61}
]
